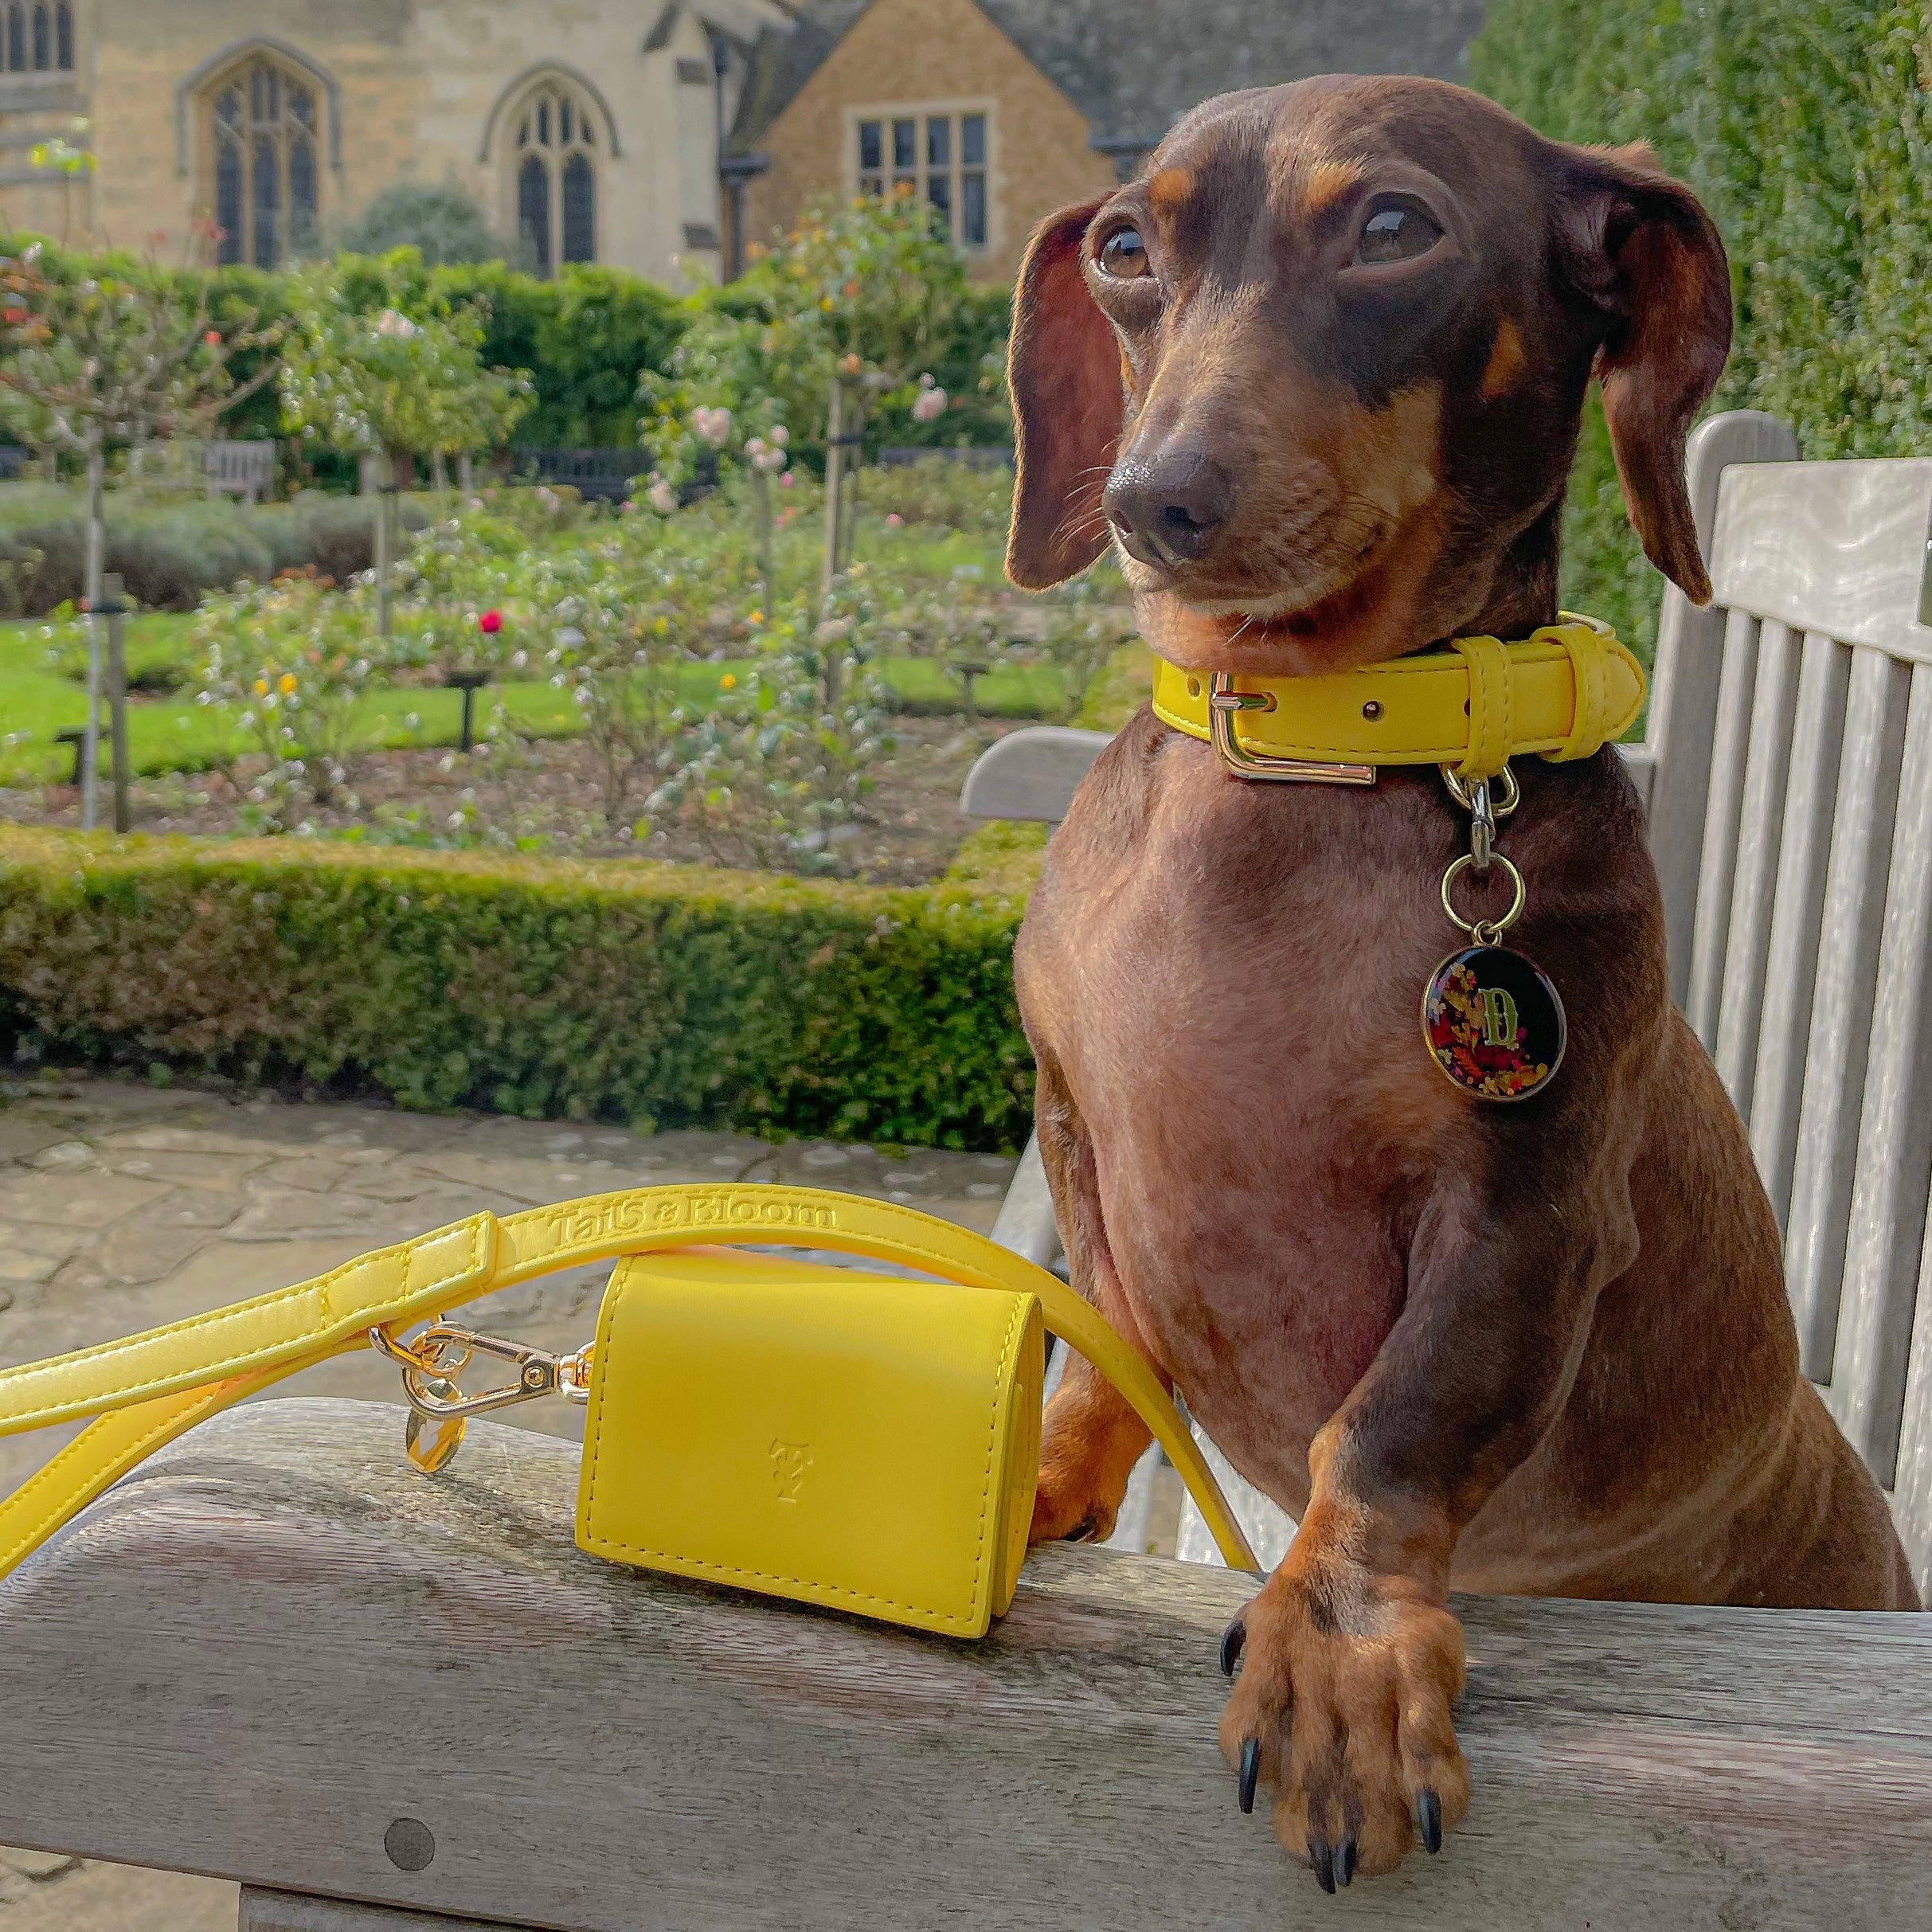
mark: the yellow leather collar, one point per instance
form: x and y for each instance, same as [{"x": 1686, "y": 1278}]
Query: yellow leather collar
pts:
[{"x": 1562, "y": 692}]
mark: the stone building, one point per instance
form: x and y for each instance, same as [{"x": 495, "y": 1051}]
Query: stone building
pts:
[
  {"x": 589, "y": 126},
  {"x": 653, "y": 134},
  {"x": 999, "y": 112}
]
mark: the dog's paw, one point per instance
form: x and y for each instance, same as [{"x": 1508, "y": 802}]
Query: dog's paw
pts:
[
  {"x": 1342, "y": 1709},
  {"x": 1073, "y": 1504}
]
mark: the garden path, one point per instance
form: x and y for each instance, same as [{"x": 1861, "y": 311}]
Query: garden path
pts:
[{"x": 123, "y": 1206}]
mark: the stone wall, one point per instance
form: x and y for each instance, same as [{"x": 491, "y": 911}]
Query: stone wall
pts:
[{"x": 938, "y": 52}]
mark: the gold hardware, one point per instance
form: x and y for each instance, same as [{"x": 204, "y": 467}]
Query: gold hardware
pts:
[
  {"x": 1224, "y": 701},
  {"x": 1484, "y": 931},
  {"x": 433, "y": 1364}
]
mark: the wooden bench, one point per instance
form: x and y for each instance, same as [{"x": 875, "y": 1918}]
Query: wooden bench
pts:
[
  {"x": 604, "y": 474},
  {"x": 241, "y": 469},
  {"x": 277, "y": 1654}
]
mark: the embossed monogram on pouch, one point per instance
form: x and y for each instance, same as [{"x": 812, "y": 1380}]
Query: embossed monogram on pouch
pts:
[{"x": 790, "y": 1461}]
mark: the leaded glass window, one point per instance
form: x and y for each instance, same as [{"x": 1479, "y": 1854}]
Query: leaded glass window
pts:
[
  {"x": 939, "y": 155},
  {"x": 554, "y": 159},
  {"x": 263, "y": 127}
]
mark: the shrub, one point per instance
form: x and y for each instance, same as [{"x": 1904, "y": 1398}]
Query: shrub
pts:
[
  {"x": 640, "y": 993},
  {"x": 171, "y": 554},
  {"x": 285, "y": 664},
  {"x": 168, "y": 553},
  {"x": 1806, "y": 127},
  {"x": 443, "y": 224},
  {"x": 936, "y": 490}
]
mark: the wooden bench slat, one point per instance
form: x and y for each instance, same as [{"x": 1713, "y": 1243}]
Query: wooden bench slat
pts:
[
  {"x": 256, "y": 1656},
  {"x": 1032, "y": 774},
  {"x": 1760, "y": 822},
  {"x": 1791, "y": 960},
  {"x": 1888, "y": 1218},
  {"x": 283, "y": 1911},
  {"x": 1826, "y": 1161},
  {"x": 1690, "y": 667},
  {"x": 1828, "y": 546},
  {"x": 1717, "y": 869}
]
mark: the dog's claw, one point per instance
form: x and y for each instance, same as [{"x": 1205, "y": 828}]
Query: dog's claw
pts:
[
  {"x": 1428, "y": 1820},
  {"x": 1232, "y": 1639},
  {"x": 1250, "y": 1772},
  {"x": 1323, "y": 1859},
  {"x": 1345, "y": 1861}
]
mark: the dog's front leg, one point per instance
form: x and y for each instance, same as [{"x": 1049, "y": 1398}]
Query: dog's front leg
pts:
[
  {"x": 1090, "y": 1438},
  {"x": 1351, "y": 1659}
]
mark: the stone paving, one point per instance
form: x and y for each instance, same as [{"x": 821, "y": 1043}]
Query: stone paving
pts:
[{"x": 123, "y": 1206}]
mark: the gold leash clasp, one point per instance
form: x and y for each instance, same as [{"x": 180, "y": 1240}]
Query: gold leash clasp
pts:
[{"x": 433, "y": 1364}]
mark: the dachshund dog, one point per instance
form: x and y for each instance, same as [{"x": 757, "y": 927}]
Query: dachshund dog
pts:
[{"x": 1316, "y": 377}]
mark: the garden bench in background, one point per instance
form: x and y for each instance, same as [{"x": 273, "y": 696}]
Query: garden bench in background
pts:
[
  {"x": 602, "y": 474},
  {"x": 241, "y": 469},
  {"x": 896, "y": 458},
  {"x": 277, "y": 1654}
]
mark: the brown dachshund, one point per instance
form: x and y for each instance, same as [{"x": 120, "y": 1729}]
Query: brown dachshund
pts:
[{"x": 1316, "y": 376}]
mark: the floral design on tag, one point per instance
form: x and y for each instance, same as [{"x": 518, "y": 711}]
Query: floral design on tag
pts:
[{"x": 1494, "y": 1023}]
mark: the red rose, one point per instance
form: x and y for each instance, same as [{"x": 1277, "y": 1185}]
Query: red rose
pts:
[
  {"x": 490, "y": 623},
  {"x": 212, "y": 338}
]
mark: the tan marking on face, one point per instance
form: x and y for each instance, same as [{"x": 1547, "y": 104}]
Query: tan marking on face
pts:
[
  {"x": 1507, "y": 361},
  {"x": 1169, "y": 189},
  {"x": 1390, "y": 456},
  {"x": 1326, "y": 183}
]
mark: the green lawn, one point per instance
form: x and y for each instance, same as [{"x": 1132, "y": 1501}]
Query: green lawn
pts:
[{"x": 174, "y": 734}]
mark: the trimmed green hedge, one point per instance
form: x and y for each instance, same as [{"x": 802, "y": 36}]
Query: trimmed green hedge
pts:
[
  {"x": 626, "y": 993},
  {"x": 1806, "y": 127}
]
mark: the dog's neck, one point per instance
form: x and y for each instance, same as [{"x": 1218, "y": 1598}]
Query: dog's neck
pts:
[{"x": 1522, "y": 591}]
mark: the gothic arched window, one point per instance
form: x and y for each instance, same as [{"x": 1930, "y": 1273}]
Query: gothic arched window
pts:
[
  {"x": 263, "y": 129},
  {"x": 37, "y": 37},
  {"x": 553, "y": 152}
]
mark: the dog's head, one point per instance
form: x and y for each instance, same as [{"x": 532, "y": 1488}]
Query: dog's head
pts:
[{"x": 1317, "y": 374}]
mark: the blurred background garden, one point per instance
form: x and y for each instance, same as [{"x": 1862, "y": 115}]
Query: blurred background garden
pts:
[{"x": 441, "y": 593}]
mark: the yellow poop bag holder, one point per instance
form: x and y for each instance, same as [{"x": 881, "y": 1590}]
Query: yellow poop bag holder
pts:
[{"x": 863, "y": 1442}]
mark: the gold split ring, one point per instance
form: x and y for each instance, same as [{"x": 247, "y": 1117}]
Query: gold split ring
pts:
[{"x": 1484, "y": 931}]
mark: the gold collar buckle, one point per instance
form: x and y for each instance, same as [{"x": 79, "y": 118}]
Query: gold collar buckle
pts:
[{"x": 1224, "y": 702}]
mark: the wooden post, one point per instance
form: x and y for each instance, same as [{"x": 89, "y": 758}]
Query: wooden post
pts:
[
  {"x": 113, "y": 606},
  {"x": 762, "y": 523},
  {"x": 96, "y": 559},
  {"x": 385, "y": 504},
  {"x": 835, "y": 456}
]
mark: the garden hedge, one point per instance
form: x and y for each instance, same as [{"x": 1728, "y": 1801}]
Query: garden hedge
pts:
[
  {"x": 1806, "y": 127},
  {"x": 631, "y": 992}
]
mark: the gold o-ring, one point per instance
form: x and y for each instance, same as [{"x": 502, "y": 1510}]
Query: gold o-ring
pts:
[{"x": 1484, "y": 931}]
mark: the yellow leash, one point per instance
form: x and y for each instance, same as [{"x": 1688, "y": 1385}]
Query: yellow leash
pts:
[{"x": 148, "y": 1389}]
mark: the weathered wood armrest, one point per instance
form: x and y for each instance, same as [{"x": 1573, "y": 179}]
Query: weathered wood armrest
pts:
[{"x": 277, "y": 1654}]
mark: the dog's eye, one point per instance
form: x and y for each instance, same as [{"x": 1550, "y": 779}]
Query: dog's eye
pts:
[
  {"x": 1396, "y": 234},
  {"x": 1123, "y": 254}
]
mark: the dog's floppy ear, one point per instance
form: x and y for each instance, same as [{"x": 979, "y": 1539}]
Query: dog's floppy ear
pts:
[
  {"x": 1641, "y": 247},
  {"x": 1063, "y": 369}
]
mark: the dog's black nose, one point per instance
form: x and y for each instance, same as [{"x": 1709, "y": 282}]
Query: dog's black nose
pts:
[{"x": 1167, "y": 507}]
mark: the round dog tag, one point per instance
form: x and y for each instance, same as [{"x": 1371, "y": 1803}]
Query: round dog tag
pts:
[{"x": 1494, "y": 1023}]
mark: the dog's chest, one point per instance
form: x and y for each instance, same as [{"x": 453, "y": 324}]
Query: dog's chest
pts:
[{"x": 1230, "y": 983}]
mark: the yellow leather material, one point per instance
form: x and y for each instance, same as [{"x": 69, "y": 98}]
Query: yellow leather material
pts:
[
  {"x": 298, "y": 1325},
  {"x": 163, "y": 1382},
  {"x": 1563, "y": 692},
  {"x": 840, "y": 1438}
]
